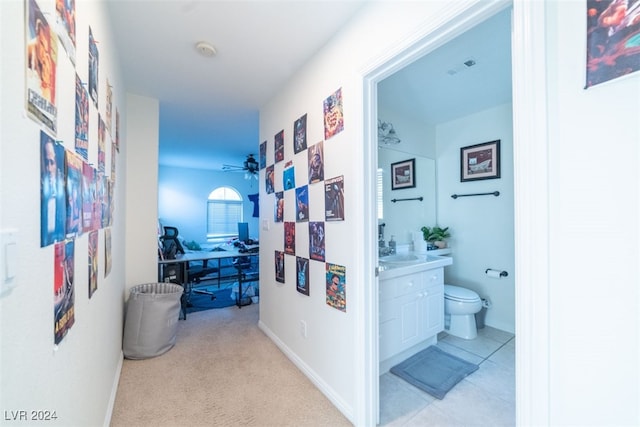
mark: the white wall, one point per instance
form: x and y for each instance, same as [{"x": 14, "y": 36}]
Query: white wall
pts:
[
  {"x": 77, "y": 379},
  {"x": 594, "y": 239},
  {"x": 182, "y": 199},
  {"x": 482, "y": 234}
]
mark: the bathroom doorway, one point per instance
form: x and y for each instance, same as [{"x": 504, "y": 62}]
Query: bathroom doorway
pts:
[{"x": 429, "y": 45}]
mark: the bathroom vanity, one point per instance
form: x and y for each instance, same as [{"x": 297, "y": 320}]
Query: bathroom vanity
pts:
[{"x": 411, "y": 305}]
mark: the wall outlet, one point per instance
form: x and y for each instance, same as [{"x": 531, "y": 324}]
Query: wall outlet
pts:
[{"x": 303, "y": 328}]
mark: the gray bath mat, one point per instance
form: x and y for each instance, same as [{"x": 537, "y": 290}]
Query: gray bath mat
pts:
[{"x": 434, "y": 371}]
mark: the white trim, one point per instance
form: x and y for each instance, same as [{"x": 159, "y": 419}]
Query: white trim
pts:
[
  {"x": 531, "y": 212},
  {"x": 114, "y": 391}
]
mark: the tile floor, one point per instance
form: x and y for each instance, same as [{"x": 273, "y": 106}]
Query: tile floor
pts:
[{"x": 484, "y": 398}]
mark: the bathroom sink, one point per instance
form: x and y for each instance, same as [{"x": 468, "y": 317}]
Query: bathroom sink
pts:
[{"x": 400, "y": 259}]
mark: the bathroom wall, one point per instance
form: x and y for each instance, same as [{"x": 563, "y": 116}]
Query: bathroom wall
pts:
[{"x": 482, "y": 227}]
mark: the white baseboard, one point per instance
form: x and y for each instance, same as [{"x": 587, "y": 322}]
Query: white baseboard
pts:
[
  {"x": 328, "y": 391},
  {"x": 114, "y": 391}
]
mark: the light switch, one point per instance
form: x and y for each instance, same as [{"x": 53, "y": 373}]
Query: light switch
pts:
[
  {"x": 265, "y": 224},
  {"x": 8, "y": 260}
]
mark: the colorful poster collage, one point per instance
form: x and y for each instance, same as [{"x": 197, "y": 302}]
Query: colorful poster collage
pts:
[
  {"x": 75, "y": 197},
  {"x": 333, "y": 209}
]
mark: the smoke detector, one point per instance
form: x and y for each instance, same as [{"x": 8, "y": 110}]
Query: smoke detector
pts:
[{"x": 206, "y": 49}]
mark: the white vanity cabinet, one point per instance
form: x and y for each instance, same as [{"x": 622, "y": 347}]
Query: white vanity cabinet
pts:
[{"x": 411, "y": 310}]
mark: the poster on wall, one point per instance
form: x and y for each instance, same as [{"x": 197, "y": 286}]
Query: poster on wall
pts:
[
  {"x": 336, "y": 284},
  {"x": 109, "y": 107},
  {"x": 102, "y": 155},
  {"x": 334, "y": 199},
  {"x": 300, "y": 134},
  {"x": 332, "y": 113},
  {"x": 279, "y": 265},
  {"x": 82, "y": 120},
  {"x": 269, "y": 180},
  {"x": 93, "y": 68},
  {"x": 42, "y": 63},
  {"x": 73, "y": 165},
  {"x": 88, "y": 196},
  {"x": 302, "y": 275},
  {"x": 117, "y": 140},
  {"x": 290, "y": 238},
  {"x": 93, "y": 262},
  {"x": 278, "y": 215},
  {"x": 316, "y": 240},
  {"x": 66, "y": 26},
  {"x": 316, "y": 163},
  {"x": 279, "y": 146},
  {"x": 289, "y": 176},
  {"x": 53, "y": 201},
  {"x": 302, "y": 204},
  {"x": 63, "y": 290},
  {"x": 613, "y": 39},
  {"x": 107, "y": 252}
]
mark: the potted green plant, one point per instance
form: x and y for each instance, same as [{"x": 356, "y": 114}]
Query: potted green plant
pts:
[{"x": 436, "y": 235}]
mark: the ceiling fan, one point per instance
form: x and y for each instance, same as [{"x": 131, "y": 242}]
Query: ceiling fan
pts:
[{"x": 250, "y": 167}]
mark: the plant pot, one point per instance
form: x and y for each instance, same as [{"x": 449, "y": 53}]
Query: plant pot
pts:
[{"x": 441, "y": 244}]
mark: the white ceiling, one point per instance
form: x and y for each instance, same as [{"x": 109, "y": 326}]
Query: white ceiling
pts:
[{"x": 209, "y": 106}]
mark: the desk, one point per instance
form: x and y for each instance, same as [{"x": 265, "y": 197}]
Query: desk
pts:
[{"x": 182, "y": 275}]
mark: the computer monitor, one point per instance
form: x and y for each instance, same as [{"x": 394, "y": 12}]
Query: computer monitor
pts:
[{"x": 243, "y": 231}]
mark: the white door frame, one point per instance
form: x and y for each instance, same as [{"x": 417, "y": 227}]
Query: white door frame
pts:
[{"x": 530, "y": 198}]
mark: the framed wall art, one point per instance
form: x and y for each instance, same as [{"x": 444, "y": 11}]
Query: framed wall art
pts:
[
  {"x": 403, "y": 174},
  {"x": 480, "y": 161}
]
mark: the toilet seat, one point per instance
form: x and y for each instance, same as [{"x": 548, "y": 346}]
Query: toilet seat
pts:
[{"x": 456, "y": 293}]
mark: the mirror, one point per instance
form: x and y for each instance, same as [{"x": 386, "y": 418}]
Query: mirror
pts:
[{"x": 404, "y": 218}]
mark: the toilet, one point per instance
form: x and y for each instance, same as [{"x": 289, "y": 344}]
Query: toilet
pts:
[{"x": 460, "y": 306}]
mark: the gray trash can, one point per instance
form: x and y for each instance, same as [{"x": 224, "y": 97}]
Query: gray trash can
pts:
[{"x": 151, "y": 321}]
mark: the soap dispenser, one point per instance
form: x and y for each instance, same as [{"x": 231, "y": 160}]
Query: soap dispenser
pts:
[{"x": 392, "y": 245}]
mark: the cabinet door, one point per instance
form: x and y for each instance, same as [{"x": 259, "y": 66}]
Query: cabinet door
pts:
[
  {"x": 410, "y": 321},
  {"x": 432, "y": 304}
]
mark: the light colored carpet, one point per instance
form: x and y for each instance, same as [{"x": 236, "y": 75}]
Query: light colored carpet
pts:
[{"x": 223, "y": 371}]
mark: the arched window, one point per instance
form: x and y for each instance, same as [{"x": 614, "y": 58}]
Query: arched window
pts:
[{"x": 224, "y": 212}]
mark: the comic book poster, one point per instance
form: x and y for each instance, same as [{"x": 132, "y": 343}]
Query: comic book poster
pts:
[
  {"x": 278, "y": 215},
  {"x": 316, "y": 163},
  {"x": 334, "y": 199},
  {"x": 110, "y": 190},
  {"x": 302, "y": 275},
  {"x": 82, "y": 120},
  {"x": 262, "y": 158},
  {"x": 66, "y": 26},
  {"x": 102, "y": 155},
  {"x": 63, "y": 290},
  {"x": 113, "y": 162},
  {"x": 289, "y": 238},
  {"x": 300, "y": 134},
  {"x": 269, "y": 178},
  {"x": 279, "y": 146},
  {"x": 289, "y": 176},
  {"x": 109, "y": 107},
  {"x": 104, "y": 200},
  {"x": 93, "y": 262},
  {"x": 302, "y": 204},
  {"x": 279, "y": 265},
  {"x": 316, "y": 240},
  {"x": 88, "y": 196},
  {"x": 336, "y": 284},
  {"x": 613, "y": 39},
  {"x": 107, "y": 252},
  {"x": 42, "y": 64},
  {"x": 93, "y": 68},
  {"x": 117, "y": 141},
  {"x": 74, "y": 193},
  {"x": 332, "y": 113},
  {"x": 53, "y": 200}
]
